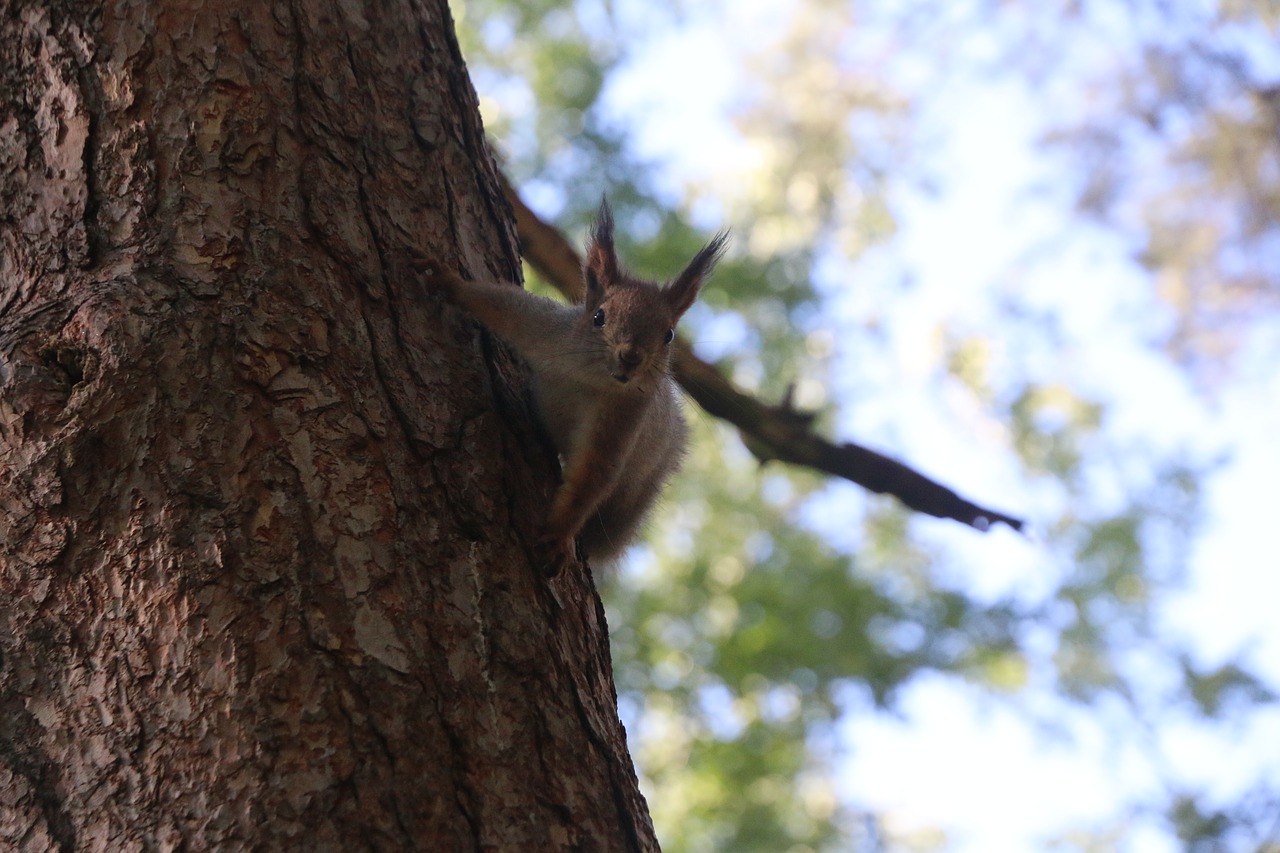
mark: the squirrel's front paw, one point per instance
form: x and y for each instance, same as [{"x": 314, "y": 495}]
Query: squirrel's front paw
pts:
[
  {"x": 423, "y": 263},
  {"x": 436, "y": 272},
  {"x": 556, "y": 552}
]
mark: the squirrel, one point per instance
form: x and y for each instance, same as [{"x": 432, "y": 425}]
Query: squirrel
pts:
[{"x": 602, "y": 384}]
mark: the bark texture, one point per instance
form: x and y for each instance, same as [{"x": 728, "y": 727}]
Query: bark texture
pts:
[{"x": 268, "y": 510}]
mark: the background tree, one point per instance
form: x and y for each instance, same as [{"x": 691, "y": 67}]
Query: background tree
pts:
[
  {"x": 266, "y": 506},
  {"x": 772, "y": 612}
]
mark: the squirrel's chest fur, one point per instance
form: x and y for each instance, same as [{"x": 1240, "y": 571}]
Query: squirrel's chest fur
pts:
[{"x": 572, "y": 409}]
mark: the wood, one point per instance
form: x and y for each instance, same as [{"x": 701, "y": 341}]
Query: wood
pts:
[{"x": 268, "y": 508}]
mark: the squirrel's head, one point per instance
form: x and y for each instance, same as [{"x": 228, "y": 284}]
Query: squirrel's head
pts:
[{"x": 636, "y": 319}]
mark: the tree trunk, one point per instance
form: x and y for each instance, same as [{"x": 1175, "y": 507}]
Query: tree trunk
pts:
[{"x": 267, "y": 507}]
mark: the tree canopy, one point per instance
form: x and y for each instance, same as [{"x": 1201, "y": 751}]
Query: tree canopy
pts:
[{"x": 1031, "y": 248}]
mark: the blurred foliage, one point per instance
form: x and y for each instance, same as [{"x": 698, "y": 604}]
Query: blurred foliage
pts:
[
  {"x": 741, "y": 636},
  {"x": 1178, "y": 140}
]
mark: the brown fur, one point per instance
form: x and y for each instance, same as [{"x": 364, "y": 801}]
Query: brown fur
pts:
[{"x": 604, "y": 390}]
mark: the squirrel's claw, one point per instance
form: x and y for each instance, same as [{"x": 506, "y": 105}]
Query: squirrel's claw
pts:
[{"x": 555, "y": 553}]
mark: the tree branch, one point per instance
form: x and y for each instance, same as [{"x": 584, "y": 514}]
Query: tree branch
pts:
[{"x": 770, "y": 432}]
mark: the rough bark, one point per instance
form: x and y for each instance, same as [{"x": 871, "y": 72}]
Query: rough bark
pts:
[{"x": 268, "y": 509}]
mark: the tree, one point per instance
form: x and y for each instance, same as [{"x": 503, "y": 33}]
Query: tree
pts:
[{"x": 267, "y": 507}]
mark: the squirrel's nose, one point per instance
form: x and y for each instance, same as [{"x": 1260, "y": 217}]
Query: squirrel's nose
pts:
[{"x": 630, "y": 357}]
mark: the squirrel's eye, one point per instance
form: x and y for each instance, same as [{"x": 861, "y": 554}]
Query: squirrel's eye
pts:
[
  {"x": 671, "y": 336},
  {"x": 598, "y": 318}
]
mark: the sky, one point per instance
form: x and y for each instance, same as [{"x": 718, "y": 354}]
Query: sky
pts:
[
  {"x": 954, "y": 758},
  {"x": 992, "y": 780}
]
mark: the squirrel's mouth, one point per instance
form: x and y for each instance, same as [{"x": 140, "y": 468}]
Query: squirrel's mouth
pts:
[{"x": 622, "y": 377}]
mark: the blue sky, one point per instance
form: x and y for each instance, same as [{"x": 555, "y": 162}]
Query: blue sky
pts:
[{"x": 988, "y": 224}]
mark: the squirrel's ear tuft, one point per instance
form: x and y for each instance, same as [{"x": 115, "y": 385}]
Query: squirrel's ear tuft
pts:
[
  {"x": 600, "y": 269},
  {"x": 682, "y": 292}
]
